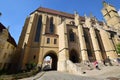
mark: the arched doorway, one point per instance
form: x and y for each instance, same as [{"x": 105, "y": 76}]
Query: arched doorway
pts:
[
  {"x": 73, "y": 56},
  {"x": 50, "y": 61}
]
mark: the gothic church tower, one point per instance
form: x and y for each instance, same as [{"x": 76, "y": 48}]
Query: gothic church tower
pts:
[{"x": 111, "y": 16}]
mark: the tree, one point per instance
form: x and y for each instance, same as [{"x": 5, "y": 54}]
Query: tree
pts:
[
  {"x": 30, "y": 66},
  {"x": 118, "y": 48}
]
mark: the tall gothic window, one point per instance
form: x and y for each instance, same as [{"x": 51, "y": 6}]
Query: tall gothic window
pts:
[
  {"x": 71, "y": 35},
  {"x": 51, "y": 25},
  {"x": 89, "y": 44},
  {"x": 38, "y": 30}
]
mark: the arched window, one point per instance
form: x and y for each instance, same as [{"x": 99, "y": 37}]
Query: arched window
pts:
[
  {"x": 71, "y": 35},
  {"x": 51, "y": 26}
]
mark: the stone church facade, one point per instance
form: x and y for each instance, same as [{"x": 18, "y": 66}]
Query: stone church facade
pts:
[{"x": 68, "y": 38}]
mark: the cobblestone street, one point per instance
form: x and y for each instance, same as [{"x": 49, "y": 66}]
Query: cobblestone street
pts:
[{"x": 106, "y": 73}]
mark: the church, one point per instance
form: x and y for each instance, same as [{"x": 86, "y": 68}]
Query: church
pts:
[{"x": 68, "y": 38}]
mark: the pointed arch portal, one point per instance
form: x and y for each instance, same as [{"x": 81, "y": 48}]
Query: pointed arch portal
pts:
[{"x": 52, "y": 63}]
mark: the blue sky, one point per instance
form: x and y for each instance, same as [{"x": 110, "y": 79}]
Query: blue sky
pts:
[{"x": 14, "y": 12}]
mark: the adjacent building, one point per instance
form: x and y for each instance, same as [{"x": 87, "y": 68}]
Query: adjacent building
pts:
[
  {"x": 7, "y": 49},
  {"x": 68, "y": 38}
]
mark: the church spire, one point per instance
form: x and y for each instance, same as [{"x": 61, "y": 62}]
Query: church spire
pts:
[{"x": 76, "y": 18}]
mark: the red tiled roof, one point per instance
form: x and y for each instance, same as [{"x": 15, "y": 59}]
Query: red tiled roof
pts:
[
  {"x": 55, "y": 12},
  {"x": 59, "y": 13},
  {"x": 10, "y": 39}
]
